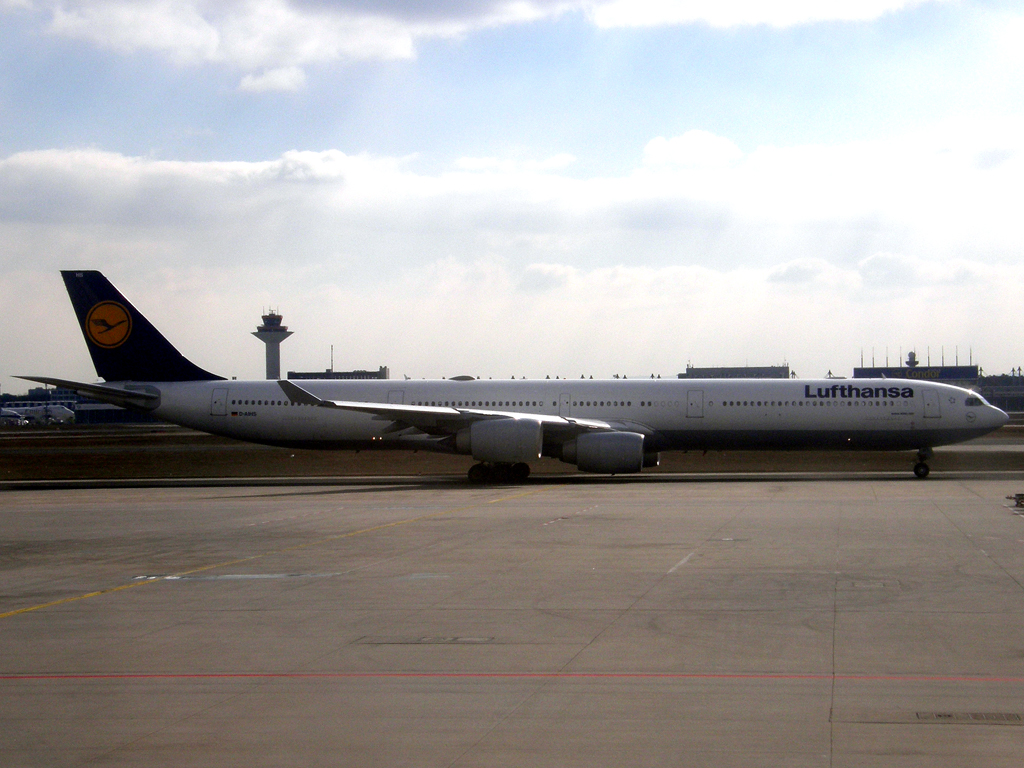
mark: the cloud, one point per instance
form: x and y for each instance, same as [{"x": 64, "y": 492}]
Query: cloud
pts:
[
  {"x": 694, "y": 149},
  {"x": 794, "y": 253},
  {"x": 695, "y": 199},
  {"x": 277, "y": 36},
  {"x": 177, "y": 29},
  {"x": 249, "y": 35},
  {"x": 926, "y": 189},
  {"x": 451, "y": 316},
  {"x": 734, "y": 13},
  {"x": 280, "y": 79},
  {"x": 800, "y": 271},
  {"x": 280, "y": 37}
]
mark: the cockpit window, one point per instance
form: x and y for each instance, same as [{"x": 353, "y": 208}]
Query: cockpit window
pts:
[{"x": 972, "y": 400}]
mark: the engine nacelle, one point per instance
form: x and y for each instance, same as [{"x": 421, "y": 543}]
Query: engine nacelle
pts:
[
  {"x": 503, "y": 441},
  {"x": 606, "y": 452}
]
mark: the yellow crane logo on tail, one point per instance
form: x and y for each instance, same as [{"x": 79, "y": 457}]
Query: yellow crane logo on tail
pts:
[{"x": 108, "y": 325}]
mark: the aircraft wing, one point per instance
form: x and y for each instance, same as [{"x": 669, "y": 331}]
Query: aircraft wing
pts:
[
  {"x": 126, "y": 398},
  {"x": 444, "y": 420}
]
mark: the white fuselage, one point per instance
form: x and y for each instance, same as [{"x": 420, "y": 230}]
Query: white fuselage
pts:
[{"x": 672, "y": 414}]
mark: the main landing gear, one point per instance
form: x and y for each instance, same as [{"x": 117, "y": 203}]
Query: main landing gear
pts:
[
  {"x": 921, "y": 469},
  {"x": 499, "y": 473}
]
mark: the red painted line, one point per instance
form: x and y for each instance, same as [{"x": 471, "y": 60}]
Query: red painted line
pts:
[{"x": 668, "y": 676}]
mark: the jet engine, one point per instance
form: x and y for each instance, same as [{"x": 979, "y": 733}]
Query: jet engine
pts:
[
  {"x": 606, "y": 452},
  {"x": 502, "y": 441}
]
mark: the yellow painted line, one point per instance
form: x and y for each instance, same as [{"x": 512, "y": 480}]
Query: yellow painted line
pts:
[
  {"x": 350, "y": 534},
  {"x": 72, "y": 599}
]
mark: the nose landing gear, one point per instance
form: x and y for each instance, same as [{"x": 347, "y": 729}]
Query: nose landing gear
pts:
[{"x": 921, "y": 469}]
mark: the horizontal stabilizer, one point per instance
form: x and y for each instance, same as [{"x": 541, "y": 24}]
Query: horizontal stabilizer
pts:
[{"x": 126, "y": 398}]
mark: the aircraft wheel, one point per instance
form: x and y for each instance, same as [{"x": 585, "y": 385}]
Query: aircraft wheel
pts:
[
  {"x": 519, "y": 472},
  {"x": 921, "y": 470},
  {"x": 479, "y": 473}
]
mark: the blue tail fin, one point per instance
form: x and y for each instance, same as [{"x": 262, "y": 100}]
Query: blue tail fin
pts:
[{"x": 124, "y": 345}]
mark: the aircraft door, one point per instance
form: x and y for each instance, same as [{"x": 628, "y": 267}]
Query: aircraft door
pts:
[
  {"x": 695, "y": 404},
  {"x": 396, "y": 396},
  {"x": 931, "y": 404},
  {"x": 219, "y": 402},
  {"x": 565, "y": 404}
]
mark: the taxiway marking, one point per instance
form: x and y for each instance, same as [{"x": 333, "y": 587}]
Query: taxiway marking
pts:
[{"x": 682, "y": 562}]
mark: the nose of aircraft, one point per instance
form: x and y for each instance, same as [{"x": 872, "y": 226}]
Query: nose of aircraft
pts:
[{"x": 996, "y": 416}]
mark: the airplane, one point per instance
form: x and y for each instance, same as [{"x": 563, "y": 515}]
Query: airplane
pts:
[
  {"x": 615, "y": 426},
  {"x": 10, "y": 416},
  {"x": 41, "y": 414}
]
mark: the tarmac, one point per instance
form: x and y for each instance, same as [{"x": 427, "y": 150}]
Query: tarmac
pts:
[{"x": 806, "y": 619}]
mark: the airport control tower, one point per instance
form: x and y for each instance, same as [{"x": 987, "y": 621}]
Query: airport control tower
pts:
[{"x": 272, "y": 333}]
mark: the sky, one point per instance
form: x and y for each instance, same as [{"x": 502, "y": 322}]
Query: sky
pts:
[{"x": 524, "y": 188}]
